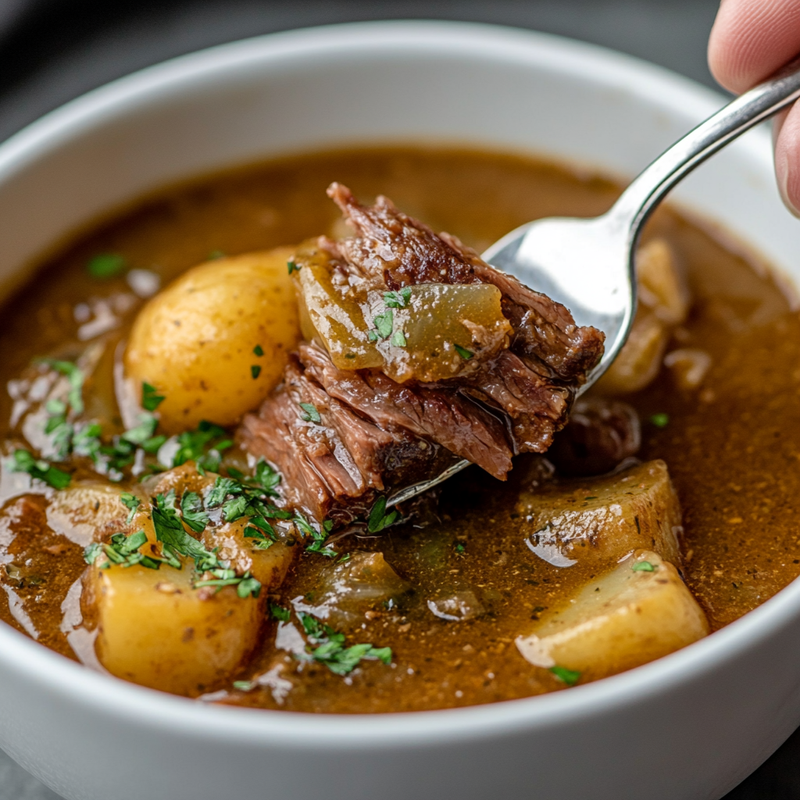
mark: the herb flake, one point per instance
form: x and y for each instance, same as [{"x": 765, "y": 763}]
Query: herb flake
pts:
[
  {"x": 106, "y": 265},
  {"x": 310, "y": 413},
  {"x": 568, "y": 676}
]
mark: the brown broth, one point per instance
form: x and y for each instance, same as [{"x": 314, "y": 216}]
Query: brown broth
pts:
[{"x": 731, "y": 448}]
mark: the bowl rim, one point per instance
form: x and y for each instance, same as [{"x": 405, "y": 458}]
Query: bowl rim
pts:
[{"x": 375, "y": 732}]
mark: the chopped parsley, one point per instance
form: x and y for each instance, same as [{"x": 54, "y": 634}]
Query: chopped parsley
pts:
[
  {"x": 174, "y": 537},
  {"x": 214, "y": 255},
  {"x": 378, "y": 518},
  {"x": 310, "y": 413},
  {"x": 204, "y": 446},
  {"x": 660, "y": 420},
  {"x": 259, "y": 529},
  {"x": 151, "y": 399},
  {"x": 238, "y": 498},
  {"x": 292, "y": 267},
  {"x": 124, "y": 551},
  {"x": 279, "y": 612},
  {"x": 193, "y": 513},
  {"x": 106, "y": 265},
  {"x": 258, "y": 350},
  {"x": 463, "y": 352},
  {"x": 246, "y": 585},
  {"x": 399, "y": 339},
  {"x": 643, "y": 566},
  {"x": 461, "y": 548},
  {"x": 255, "y": 371},
  {"x": 331, "y": 650},
  {"x": 568, "y": 676},
  {"x": 318, "y": 535},
  {"x": 397, "y": 299},
  {"x": 383, "y": 324},
  {"x": 244, "y": 686},
  {"x": 75, "y": 377},
  {"x": 23, "y": 461},
  {"x": 132, "y": 503}
]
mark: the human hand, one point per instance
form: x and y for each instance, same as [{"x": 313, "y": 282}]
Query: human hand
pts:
[{"x": 750, "y": 40}]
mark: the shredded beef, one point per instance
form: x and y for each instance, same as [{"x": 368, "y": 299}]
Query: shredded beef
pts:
[{"x": 375, "y": 435}]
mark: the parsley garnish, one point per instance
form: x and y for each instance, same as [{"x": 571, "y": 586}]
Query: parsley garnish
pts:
[
  {"x": 292, "y": 267},
  {"x": 331, "y": 650},
  {"x": 214, "y": 255},
  {"x": 75, "y": 377},
  {"x": 106, "y": 265},
  {"x": 204, "y": 446},
  {"x": 259, "y": 529},
  {"x": 310, "y": 413},
  {"x": 23, "y": 461},
  {"x": 258, "y": 350},
  {"x": 378, "y": 518},
  {"x": 255, "y": 371},
  {"x": 122, "y": 550},
  {"x": 171, "y": 533},
  {"x": 151, "y": 399},
  {"x": 643, "y": 566},
  {"x": 397, "y": 299},
  {"x": 660, "y": 420},
  {"x": 568, "y": 676},
  {"x": 246, "y": 585},
  {"x": 384, "y": 324},
  {"x": 193, "y": 513},
  {"x": 279, "y": 612},
  {"x": 399, "y": 339},
  {"x": 318, "y": 535},
  {"x": 132, "y": 503},
  {"x": 176, "y": 540},
  {"x": 461, "y": 548},
  {"x": 463, "y": 352}
]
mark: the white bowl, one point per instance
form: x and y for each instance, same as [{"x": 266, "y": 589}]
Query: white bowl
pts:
[{"x": 691, "y": 725}]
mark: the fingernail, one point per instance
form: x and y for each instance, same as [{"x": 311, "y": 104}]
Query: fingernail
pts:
[{"x": 782, "y": 173}]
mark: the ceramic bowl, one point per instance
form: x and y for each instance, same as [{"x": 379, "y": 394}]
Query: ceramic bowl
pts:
[{"x": 688, "y": 726}]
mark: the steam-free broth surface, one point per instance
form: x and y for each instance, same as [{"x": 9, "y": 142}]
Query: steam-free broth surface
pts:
[{"x": 730, "y": 444}]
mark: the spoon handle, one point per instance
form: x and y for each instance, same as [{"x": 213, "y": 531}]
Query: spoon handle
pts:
[{"x": 646, "y": 191}]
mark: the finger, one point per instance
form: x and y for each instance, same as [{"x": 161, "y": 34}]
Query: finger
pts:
[
  {"x": 751, "y": 39},
  {"x": 787, "y": 158}
]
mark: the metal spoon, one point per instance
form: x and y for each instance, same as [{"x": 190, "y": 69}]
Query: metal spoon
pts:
[{"x": 588, "y": 264}]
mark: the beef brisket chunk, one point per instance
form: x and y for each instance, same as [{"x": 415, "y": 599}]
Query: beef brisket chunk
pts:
[{"x": 370, "y": 435}]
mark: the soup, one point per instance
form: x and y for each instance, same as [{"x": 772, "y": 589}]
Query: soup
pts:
[{"x": 443, "y": 610}]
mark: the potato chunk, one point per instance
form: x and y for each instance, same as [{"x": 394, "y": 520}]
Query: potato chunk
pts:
[
  {"x": 664, "y": 302},
  {"x": 156, "y": 629},
  {"x": 198, "y": 340},
  {"x": 601, "y": 520},
  {"x": 638, "y": 612},
  {"x": 84, "y": 511}
]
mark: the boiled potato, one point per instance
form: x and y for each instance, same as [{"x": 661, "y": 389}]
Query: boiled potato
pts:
[
  {"x": 664, "y": 302},
  {"x": 84, "y": 511},
  {"x": 662, "y": 285},
  {"x": 598, "y": 521},
  {"x": 638, "y": 612},
  {"x": 639, "y": 361},
  {"x": 156, "y": 630},
  {"x": 195, "y": 340}
]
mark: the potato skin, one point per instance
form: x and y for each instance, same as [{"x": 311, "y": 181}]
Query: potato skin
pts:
[{"x": 194, "y": 341}]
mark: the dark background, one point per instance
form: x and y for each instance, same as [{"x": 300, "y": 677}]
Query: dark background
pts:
[{"x": 54, "y": 50}]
